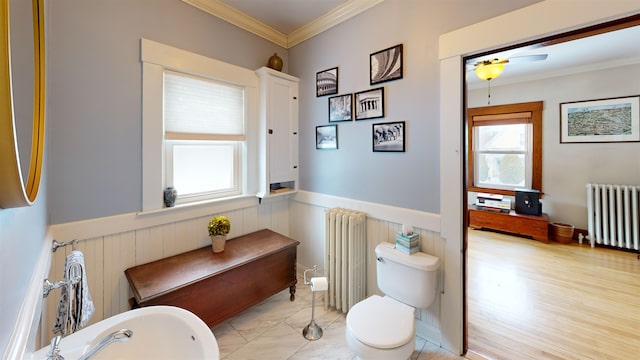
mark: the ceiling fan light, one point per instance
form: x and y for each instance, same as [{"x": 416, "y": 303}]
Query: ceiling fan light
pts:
[{"x": 489, "y": 71}]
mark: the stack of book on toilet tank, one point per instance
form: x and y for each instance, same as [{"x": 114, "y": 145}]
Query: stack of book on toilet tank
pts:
[{"x": 408, "y": 243}]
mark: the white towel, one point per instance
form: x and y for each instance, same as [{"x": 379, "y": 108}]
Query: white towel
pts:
[{"x": 76, "y": 306}]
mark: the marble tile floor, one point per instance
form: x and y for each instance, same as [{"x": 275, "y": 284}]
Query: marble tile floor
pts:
[{"x": 272, "y": 330}]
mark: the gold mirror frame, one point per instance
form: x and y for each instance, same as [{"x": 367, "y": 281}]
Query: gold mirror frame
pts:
[{"x": 14, "y": 191}]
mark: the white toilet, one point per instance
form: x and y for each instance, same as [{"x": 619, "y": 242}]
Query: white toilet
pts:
[{"x": 384, "y": 327}]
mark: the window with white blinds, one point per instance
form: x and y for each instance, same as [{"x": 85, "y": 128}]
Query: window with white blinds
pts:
[
  {"x": 197, "y": 108},
  {"x": 203, "y": 132}
]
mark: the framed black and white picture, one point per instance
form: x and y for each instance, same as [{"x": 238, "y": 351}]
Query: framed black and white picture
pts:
[
  {"x": 386, "y": 65},
  {"x": 369, "y": 104},
  {"x": 327, "y": 137},
  {"x": 340, "y": 108},
  {"x": 327, "y": 82},
  {"x": 388, "y": 137}
]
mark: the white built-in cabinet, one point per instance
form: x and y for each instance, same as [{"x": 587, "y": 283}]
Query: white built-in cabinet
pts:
[{"x": 278, "y": 133}]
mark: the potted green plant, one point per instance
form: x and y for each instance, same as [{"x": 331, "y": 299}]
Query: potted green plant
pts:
[{"x": 219, "y": 227}]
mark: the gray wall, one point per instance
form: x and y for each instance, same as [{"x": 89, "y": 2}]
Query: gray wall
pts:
[
  {"x": 95, "y": 98},
  {"x": 22, "y": 232},
  {"x": 567, "y": 168},
  {"x": 410, "y": 179}
]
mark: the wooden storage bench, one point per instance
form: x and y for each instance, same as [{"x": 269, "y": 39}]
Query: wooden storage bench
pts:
[
  {"x": 536, "y": 226},
  {"x": 216, "y": 286}
]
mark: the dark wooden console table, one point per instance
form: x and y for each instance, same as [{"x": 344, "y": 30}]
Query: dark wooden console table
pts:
[
  {"x": 216, "y": 286},
  {"x": 536, "y": 226}
]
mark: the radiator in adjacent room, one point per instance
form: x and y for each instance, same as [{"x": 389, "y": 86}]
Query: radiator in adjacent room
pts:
[
  {"x": 345, "y": 258},
  {"x": 613, "y": 215}
]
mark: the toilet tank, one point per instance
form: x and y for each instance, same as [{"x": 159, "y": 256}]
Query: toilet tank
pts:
[{"x": 411, "y": 279}]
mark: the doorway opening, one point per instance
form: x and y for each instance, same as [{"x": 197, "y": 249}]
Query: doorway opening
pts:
[{"x": 540, "y": 46}]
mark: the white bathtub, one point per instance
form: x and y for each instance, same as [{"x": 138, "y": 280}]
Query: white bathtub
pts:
[{"x": 159, "y": 332}]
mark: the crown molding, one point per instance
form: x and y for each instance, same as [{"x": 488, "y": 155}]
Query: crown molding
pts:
[
  {"x": 328, "y": 20},
  {"x": 233, "y": 16}
]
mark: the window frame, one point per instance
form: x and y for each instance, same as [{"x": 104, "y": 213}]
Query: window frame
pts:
[
  {"x": 157, "y": 58},
  {"x": 507, "y": 114}
]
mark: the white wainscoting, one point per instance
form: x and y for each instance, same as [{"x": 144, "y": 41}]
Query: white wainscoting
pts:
[{"x": 140, "y": 238}]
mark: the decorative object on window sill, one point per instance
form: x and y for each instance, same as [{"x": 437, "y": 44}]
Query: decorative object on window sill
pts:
[
  {"x": 219, "y": 227},
  {"x": 170, "y": 195},
  {"x": 275, "y": 62}
]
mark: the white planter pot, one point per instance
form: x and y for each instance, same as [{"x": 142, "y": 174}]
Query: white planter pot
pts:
[{"x": 217, "y": 243}]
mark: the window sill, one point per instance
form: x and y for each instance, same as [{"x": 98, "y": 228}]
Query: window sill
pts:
[
  {"x": 497, "y": 191},
  {"x": 208, "y": 206},
  {"x": 491, "y": 191}
]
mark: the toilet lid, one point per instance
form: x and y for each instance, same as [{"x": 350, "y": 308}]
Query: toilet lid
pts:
[{"x": 381, "y": 322}]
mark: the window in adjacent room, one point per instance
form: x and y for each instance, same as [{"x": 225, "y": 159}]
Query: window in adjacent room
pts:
[{"x": 505, "y": 148}]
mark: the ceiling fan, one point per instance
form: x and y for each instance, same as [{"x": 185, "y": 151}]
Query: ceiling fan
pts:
[
  {"x": 488, "y": 69},
  {"x": 491, "y": 68}
]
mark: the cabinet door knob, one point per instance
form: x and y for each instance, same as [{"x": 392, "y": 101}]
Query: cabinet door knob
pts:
[
  {"x": 295, "y": 133},
  {"x": 295, "y": 98},
  {"x": 270, "y": 131},
  {"x": 295, "y": 166}
]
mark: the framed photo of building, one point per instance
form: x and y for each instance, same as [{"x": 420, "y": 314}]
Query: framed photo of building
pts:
[
  {"x": 369, "y": 104},
  {"x": 385, "y": 65},
  {"x": 327, "y": 137},
  {"x": 327, "y": 82},
  {"x": 340, "y": 108},
  {"x": 388, "y": 137},
  {"x": 603, "y": 120}
]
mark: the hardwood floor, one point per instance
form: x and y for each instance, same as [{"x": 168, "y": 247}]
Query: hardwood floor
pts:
[{"x": 529, "y": 300}]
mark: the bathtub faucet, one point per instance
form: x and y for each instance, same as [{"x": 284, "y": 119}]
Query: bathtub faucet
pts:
[
  {"x": 116, "y": 336},
  {"x": 54, "y": 351}
]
